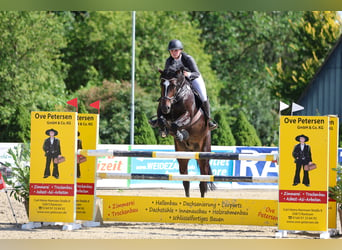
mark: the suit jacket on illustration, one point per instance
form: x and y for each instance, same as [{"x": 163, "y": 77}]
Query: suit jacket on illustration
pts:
[
  {"x": 302, "y": 156},
  {"x": 52, "y": 150}
]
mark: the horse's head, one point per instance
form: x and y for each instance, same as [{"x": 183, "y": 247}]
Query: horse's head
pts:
[{"x": 170, "y": 84}]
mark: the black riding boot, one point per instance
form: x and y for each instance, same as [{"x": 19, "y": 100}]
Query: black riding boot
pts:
[{"x": 206, "y": 109}]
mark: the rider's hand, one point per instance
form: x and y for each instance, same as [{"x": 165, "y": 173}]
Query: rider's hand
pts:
[{"x": 186, "y": 73}]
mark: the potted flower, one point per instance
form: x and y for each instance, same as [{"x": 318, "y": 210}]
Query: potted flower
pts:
[{"x": 335, "y": 192}]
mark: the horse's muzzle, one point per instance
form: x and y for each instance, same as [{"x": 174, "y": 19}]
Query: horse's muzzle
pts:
[
  {"x": 165, "y": 106},
  {"x": 165, "y": 109}
]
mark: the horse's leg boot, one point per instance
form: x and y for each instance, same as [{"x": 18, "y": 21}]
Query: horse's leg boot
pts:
[
  {"x": 206, "y": 109},
  {"x": 163, "y": 133}
]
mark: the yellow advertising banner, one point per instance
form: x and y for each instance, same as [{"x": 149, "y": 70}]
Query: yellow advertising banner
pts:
[
  {"x": 190, "y": 210},
  {"x": 333, "y": 162},
  {"x": 52, "y": 167},
  {"x": 87, "y": 138},
  {"x": 303, "y": 173}
]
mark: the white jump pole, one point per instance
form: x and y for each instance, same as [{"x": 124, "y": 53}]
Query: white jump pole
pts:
[
  {"x": 180, "y": 155},
  {"x": 179, "y": 177}
]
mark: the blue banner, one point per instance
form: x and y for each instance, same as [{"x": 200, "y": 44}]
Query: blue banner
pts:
[
  {"x": 256, "y": 168},
  {"x": 170, "y": 166}
]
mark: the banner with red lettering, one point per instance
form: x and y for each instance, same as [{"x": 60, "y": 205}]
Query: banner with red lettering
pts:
[
  {"x": 52, "y": 167},
  {"x": 87, "y": 138},
  {"x": 333, "y": 163},
  {"x": 303, "y": 173},
  {"x": 113, "y": 164}
]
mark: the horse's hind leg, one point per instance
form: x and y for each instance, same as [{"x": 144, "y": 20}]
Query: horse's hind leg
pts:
[
  {"x": 204, "y": 169},
  {"x": 183, "y": 169},
  {"x": 203, "y": 188},
  {"x": 186, "y": 185}
]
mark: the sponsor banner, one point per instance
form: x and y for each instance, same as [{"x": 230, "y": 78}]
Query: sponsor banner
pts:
[
  {"x": 112, "y": 164},
  {"x": 52, "y": 166},
  {"x": 170, "y": 166},
  {"x": 52, "y": 189},
  {"x": 339, "y": 155},
  {"x": 190, "y": 210},
  {"x": 333, "y": 161},
  {"x": 303, "y": 194},
  {"x": 87, "y": 138},
  {"x": 85, "y": 189},
  {"x": 256, "y": 168}
]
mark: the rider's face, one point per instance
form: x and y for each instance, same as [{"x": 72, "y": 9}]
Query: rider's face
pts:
[{"x": 175, "y": 53}]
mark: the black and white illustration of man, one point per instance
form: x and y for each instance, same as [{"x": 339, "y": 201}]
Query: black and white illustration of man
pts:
[
  {"x": 302, "y": 155},
  {"x": 52, "y": 149}
]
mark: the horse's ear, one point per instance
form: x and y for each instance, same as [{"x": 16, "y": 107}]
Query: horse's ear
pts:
[
  {"x": 180, "y": 70},
  {"x": 160, "y": 71}
]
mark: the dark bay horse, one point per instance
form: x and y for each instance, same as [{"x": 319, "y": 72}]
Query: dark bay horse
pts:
[{"x": 180, "y": 116}]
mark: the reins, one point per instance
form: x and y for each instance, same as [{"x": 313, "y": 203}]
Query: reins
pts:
[{"x": 174, "y": 99}]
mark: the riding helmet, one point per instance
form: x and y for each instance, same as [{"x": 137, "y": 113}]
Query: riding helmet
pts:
[{"x": 175, "y": 44}]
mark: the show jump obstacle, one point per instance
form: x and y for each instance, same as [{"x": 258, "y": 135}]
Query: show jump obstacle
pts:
[
  {"x": 178, "y": 177},
  {"x": 187, "y": 210},
  {"x": 181, "y": 155}
]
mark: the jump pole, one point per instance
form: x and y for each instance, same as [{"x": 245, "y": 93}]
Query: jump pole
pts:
[
  {"x": 180, "y": 155},
  {"x": 179, "y": 177}
]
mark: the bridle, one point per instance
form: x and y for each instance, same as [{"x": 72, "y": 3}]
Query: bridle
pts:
[{"x": 179, "y": 93}]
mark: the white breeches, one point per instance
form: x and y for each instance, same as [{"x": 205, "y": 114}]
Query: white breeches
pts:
[{"x": 199, "y": 85}]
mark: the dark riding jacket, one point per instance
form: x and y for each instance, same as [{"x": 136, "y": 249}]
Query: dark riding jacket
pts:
[{"x": 187, "y": 61}]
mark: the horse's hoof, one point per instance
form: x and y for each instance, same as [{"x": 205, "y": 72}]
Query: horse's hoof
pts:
[
  {"x": 212, "y": 125},
  {"x": 163, "y": 134}
]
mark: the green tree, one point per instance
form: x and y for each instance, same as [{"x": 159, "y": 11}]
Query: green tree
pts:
[
  {"x": 99, "y": 50},
  {"x": 114, "y": 114},
  {"x": 244, "y": 132},
  {"x": 99, "y": 46},
  {"x": 31, "y": 71},
  {"x": 242, "y": 45},
  {"x": 309, "y": 42},
  {"x": 143, "y": 133},
  {"x": 223, "y": 135}
]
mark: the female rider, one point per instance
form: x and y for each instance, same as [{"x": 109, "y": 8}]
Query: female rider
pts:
[{"x": 179, "y": 58}]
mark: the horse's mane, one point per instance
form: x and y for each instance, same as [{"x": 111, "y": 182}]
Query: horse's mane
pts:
[{"x": 172, "y": 72}]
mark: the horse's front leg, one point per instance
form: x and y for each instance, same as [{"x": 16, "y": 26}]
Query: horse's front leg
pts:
[
  {"x": 182, "y": 121},
  {"x": 183, "y": 169}
]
